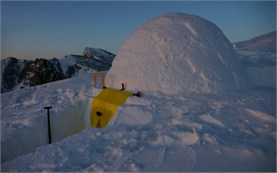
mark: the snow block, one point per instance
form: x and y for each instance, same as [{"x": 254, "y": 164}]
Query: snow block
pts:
[
  {"x": 177, "y": 52},
  {"x": 27, "y": 139}
]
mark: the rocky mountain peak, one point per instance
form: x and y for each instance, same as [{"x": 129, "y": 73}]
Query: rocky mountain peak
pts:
[{"x": 18, "y": 73}]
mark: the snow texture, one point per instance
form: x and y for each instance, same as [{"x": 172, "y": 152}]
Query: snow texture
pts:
[
  {"x": 66, "y": 62},
  {"x": 157, "y": 132},
  {"x": 173, "y": 53},
  {"x": 199, "y": 130}
]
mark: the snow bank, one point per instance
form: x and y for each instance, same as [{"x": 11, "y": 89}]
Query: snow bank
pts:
[
  {"x": 187, "y": 133},
  {"x": 262, "y": 76},
  {"x": 27, "y": 138},
  {"x": 173, "y": 53},
  {"x": 24, "y": 119}
]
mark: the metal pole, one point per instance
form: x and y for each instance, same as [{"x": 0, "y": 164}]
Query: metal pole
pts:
[{"x": 49, "y": 126}]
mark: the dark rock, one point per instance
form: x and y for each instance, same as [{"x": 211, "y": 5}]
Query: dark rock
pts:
[{"x": 40, "y": 71}]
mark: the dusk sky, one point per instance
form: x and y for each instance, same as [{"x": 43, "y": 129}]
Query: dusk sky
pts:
[{"x": 54, "y": 29}]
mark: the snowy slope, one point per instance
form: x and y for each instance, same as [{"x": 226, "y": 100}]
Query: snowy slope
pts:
[
  {"x": 262, "y": 43},
  {"x": 157, "y": 132},
  {"x": 259, "y": 57},
  {"x": 74, "y": 65},
  {"x": 177, "y": 46},
  {"x": 98, "y": 54}
]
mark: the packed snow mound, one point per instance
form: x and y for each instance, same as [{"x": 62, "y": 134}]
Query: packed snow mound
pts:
[{"x": 177, "y": 52}]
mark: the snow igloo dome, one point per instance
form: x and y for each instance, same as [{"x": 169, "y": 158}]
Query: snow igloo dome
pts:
[{"x": 177, "y": 52}]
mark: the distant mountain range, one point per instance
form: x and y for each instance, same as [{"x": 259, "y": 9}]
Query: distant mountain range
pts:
[
  {"x": 259, "y": 58},
  {"x": 18, "y": 73},
  {"x": 259, "y": 51},
  {"x": 263, "y": 43}
]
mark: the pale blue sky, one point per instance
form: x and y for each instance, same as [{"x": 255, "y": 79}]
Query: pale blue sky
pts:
[{"x": 54, "y": 29}]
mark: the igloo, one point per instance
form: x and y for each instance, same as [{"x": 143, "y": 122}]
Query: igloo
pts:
[{"x": 175, "y": 53}]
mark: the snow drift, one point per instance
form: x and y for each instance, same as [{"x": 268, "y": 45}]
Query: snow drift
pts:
[
  {"x": 177, "y": 52},
  {"x": 34, "y": 133},
  {"x": 24, "y": 119}
]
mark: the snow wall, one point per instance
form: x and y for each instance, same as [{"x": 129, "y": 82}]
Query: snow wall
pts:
[
  {"x": 177, "y": 52},
  {"x": 64, "y": 123},
  {"x": 262, "y": 76}
]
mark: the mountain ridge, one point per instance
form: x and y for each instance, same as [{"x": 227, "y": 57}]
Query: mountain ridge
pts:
[
  {"x": 258, "y": 55},
  {"x": 265, "y": 43},
  {"x": 20, "y": 73},
  {"x": 259, "y": 51}
]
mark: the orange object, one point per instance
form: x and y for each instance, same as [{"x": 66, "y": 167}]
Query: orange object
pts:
[{"x": 95, "y": 75}]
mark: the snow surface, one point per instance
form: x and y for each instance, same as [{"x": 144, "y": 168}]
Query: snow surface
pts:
[
  {"x": 173, "y": 53},
  {"x": 157, "y": 132},
  {"x": 24, "y": 119},
  {"x": 262, "y": 76}
]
